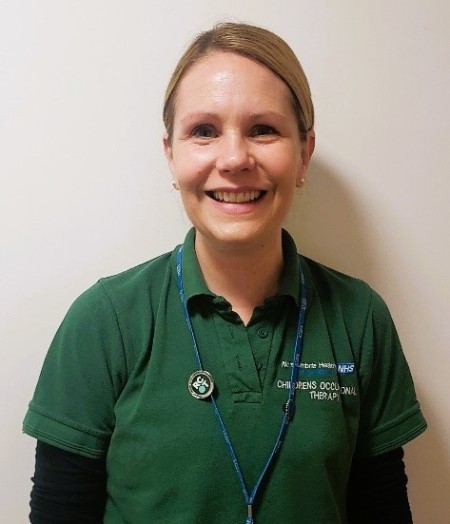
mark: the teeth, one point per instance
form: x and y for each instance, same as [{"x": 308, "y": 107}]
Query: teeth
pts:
[{"x": 247, "y": 196}]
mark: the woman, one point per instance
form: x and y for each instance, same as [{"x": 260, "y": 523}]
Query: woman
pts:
[{"x": 231, "y": 380}]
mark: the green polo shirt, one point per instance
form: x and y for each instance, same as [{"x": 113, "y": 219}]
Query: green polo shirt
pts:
[{"x": 114, "y": 384}]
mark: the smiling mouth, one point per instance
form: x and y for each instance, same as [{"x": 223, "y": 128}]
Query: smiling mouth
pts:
[{"x": 238, "y": 198}]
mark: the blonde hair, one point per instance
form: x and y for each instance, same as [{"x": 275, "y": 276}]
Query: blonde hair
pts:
[{"x": 253, "y": 42}]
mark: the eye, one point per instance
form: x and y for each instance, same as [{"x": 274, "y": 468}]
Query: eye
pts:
[
  {"x": 203, "y": 131},
  {"x": 263, "y": 129}
]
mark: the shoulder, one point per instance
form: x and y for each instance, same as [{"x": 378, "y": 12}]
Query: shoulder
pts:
[
  {"x": 343, "y": 296},
  {"x": 123, "y": 300},
  {"x": 114, "y": 317},
  {"x": 330, "y": 283},
  {"x": 144, "y": 279}
]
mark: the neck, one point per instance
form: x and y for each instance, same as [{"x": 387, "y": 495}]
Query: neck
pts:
[{"x": 244, "y": 276}]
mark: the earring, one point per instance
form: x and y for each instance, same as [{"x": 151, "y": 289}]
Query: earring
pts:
[
  {"x": 302, "y": 181},
  {"x": 175, "y": 185}
]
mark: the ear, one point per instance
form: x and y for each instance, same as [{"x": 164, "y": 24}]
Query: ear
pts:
[
  {"x": 168, "y": 152},
  {"x": 307, "y": 151},
  {"x": 167, "y": 147}
]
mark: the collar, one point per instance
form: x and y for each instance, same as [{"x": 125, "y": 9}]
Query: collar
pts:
[{"x": 195, "y": 285}]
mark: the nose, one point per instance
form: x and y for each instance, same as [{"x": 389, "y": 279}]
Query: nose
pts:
[{"x": 234, "y": 155}]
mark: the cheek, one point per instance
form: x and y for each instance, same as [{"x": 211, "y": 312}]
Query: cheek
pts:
[
  {"x": 191, "y": 165},
  {"x": 285, "y": 166}
]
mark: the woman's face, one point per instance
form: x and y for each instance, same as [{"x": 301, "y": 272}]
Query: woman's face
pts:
[{"x": 235, "y": 152}]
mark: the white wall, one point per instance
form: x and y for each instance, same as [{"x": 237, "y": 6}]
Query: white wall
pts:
[{"x": 85, "y": 191}]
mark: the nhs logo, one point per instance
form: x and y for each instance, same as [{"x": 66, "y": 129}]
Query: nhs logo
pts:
[{"x": 345, "y": 368}]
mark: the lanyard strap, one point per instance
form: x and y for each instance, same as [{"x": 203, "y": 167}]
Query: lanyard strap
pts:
[{"x": 290, "y": 403}]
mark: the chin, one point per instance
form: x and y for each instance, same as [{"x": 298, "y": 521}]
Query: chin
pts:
[{"x": 237, "y": 236}]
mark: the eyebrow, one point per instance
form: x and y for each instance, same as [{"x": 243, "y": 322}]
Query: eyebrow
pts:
[
  {"x": 265, "y": 114},
  {"x": 200, "y": 115},
  {"x": 208, "y": 115}
]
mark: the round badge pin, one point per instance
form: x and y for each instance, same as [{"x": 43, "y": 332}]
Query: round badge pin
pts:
[{"x": 201, "y": 384}]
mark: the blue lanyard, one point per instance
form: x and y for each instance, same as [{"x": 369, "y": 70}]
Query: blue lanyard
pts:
[{"x": 290, "y": 403}]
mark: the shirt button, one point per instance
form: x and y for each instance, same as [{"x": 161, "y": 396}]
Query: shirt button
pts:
[{"x": 262, "y": 333}]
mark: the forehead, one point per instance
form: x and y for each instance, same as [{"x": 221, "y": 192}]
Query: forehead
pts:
[{"x": 231, "y": 77}]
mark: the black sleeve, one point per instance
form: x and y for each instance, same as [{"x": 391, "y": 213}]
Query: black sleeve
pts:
[
  {"x": 377, "y": 490},
  {"x": 68, "y": 488}
]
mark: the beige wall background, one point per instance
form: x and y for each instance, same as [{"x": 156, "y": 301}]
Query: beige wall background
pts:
[{"x": 85, "y": 191}]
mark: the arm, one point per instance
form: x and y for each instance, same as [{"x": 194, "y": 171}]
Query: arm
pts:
[
  {"x": 68, "y": 488},
  {"x": 377, "y": 490}
]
